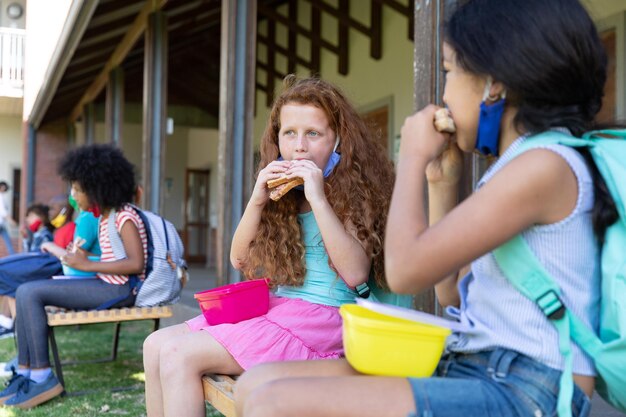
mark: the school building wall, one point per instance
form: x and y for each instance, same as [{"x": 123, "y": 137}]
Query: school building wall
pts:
[{"x": 10, "y": 147}]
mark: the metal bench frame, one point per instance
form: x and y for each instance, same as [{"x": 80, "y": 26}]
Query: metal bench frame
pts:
[{"x": 115, "y": 315}]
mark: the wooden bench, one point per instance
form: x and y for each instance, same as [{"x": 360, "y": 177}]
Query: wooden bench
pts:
[
  {"x": 116, "y": 315},
  {"x": 218, "y": 391}
]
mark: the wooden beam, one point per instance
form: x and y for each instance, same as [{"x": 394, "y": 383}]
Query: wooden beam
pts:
[
  {"x": 427, "y": 85},
  {"x": 271, "y": 63},
  {"x": 135, "y": 31},
  {"x": 283, "y": 51},
  {"x": 292, "y": 38},
  {"x": 316, "y": 30},
  {"x": 315, "y": 38},
  {"x": 342, "y": 17},
  {"x": 376, "y": 26},
  {"x": 344, "y": 38},
  {"x": 399, "y": 7}
]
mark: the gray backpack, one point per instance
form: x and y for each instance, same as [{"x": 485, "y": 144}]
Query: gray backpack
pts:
[{"x": 165, "y": 269}]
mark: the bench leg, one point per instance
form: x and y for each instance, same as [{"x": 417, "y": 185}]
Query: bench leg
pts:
[
  {"x": 156, "y": 325},
  {"x": 55, "y": 354},
  {"x": 116, "y": 340}
]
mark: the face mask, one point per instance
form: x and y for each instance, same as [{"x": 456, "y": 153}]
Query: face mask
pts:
[
  {"x": 73, "y": 202},
  {"x": 60, "y": 219},
  {"x": 34, "y": 226},
  {"x": 488, "y": 137},
  {"x": 95, "y": 210},
  {"x": 333, "y": 161}
]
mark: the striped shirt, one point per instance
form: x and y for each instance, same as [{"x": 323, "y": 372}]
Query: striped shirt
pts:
[
  {"x": 121, "y": 217},
  {"x": 498, "y": 315}
]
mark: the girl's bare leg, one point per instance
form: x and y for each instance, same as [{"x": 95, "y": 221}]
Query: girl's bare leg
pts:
[
  {"x": 358, "y": 396},
  {"x": 182, "y": 362},
  {"x": 261, "y": 374},
  {"x": 151, "y": 353}
]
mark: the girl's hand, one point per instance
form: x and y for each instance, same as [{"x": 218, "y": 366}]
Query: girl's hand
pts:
[
  {"x": 273, "y": 170},
  {"x": 447, "y": 167},
  {"x": 420, "y": 139},
  {"x": 77, "y": 260},
  {"x": 313, "y": 179}
]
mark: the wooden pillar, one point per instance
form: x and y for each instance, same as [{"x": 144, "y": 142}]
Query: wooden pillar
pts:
[
  {"x": 71, "y": 134},
  {"x": 238, "y": 57},
  {"x": 89, "y": 122},
  {"x": 428, "y": 77},
  {"x": 114, "y": 112},
  {"x": 154, "y": 110}
]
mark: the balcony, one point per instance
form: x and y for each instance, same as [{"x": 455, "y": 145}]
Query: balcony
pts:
[{"x": 12, "y": 44}]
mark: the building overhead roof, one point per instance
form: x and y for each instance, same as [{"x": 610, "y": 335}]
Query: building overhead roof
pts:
[{"x": 113, "y": 37}]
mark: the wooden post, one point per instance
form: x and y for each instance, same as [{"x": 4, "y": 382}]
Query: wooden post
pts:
[
  {"x": 114, "y": 112},
  {"x": 428, "y": 82},
  {"x": 154, "y": 110},
  {"x": 89, "y": 122},
  {"x": 237, "y": 82}
]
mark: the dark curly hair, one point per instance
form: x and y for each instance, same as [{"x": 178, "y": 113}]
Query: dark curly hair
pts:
[
  {"x": 549, "y": 56},
  {"x": 103, "y": 173},
  {"x": 359, "y": 189}
]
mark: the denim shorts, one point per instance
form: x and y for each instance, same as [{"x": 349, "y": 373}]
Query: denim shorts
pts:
[{"x": 495, "y": 383}]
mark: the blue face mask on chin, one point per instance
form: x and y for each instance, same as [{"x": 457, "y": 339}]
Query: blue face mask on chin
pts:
[
  {"x": 488, "y": 137},
  {"x": 332, "y": 162}
]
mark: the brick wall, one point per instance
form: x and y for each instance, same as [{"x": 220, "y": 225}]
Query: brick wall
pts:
[{"x": 51, "y": 146}]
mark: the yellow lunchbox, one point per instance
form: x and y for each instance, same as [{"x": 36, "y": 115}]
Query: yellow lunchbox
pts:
[{"x": 380, "y": 344}]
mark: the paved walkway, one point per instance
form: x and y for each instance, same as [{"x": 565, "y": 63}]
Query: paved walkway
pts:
[{"x": 202, "y": 279}]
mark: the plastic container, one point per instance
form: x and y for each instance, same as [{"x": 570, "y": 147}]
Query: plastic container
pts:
[
  {"x": 379, "y": 344},
  {"x": 71, "y": 272},
  {"x": 233, "y": 303}
]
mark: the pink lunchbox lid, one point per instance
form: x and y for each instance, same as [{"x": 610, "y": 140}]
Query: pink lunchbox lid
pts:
[{"x": 230, "y": 289}]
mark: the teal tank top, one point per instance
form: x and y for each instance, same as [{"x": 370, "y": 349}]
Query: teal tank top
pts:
[{"x": 322, "y": 285}]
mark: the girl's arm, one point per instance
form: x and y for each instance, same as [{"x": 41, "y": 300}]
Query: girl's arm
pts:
[
  {"x": 537, "y": 187},
  {"x": 444, "y": 176},
  {"x": 133, "y": 264},
  {"x": 249, "y": 223},
  {"x": 345, "y": 251},
  {"x": 53, "y": 249}
]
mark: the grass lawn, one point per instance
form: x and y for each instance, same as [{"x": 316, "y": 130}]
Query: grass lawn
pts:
[{"x": 90, "y": 342}]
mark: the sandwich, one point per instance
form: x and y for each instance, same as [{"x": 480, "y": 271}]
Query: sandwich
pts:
[
  {"x": 281, "y": 186},
  {"x": 444, "y": 122}
]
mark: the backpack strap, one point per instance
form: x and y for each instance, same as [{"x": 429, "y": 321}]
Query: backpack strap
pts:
[{"x": 524, "y": 271}]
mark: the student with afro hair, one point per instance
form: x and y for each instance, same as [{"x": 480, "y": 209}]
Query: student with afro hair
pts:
[{"x": 102, "y": 181}]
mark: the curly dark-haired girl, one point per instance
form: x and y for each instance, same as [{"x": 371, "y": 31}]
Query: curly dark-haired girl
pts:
[
  {"x": 514, "y": 69},
  {"x": 102, "y": 181}
]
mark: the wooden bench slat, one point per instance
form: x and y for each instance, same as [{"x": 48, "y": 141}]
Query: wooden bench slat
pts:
[
  {"x": 64, "y": 318},
  {"x": 218, "y": 391}
]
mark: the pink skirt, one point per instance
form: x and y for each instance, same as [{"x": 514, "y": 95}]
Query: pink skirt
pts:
[{"x": 292, "y": 329}]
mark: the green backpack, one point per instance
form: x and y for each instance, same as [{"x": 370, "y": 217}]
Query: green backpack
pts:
[{"x": 608, "y": 349}]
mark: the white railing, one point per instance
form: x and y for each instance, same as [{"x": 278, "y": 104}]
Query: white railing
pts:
[{"x": 12, "y": 42}]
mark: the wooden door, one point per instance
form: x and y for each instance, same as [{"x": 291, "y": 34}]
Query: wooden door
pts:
[
  {"x": 378, "y": 121},
  {"x": 196, "y": 215}
]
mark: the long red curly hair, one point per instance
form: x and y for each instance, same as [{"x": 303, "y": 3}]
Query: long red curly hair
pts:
[{"x": 359, "y": 189}]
